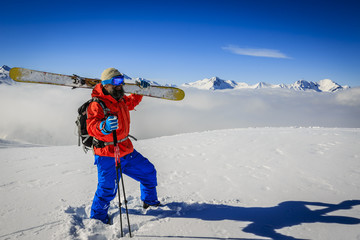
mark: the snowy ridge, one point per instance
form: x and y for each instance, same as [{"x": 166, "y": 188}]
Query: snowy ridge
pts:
[
  {"x": 327, "y": 85},
  {"x": 133, "y": 80},
  {"x": 215, "y": 83},
  {"x": 224, "y": 184},
  {"x": 4, "y": 75}
]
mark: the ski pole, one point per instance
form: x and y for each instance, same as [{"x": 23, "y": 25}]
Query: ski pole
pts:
[
  {"x": 118, "y": 167},
  {"x": 117, "y": 163}
]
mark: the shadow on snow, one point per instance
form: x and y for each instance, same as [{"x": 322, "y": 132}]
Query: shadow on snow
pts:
[{"x": 264, "y": 220}]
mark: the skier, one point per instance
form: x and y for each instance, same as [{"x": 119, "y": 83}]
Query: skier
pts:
[{"x": 133, "y": 164}]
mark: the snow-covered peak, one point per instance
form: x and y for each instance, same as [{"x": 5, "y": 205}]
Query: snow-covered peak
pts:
[
  {"x": 4, "y": 75},
  {"x": 213, "y": 83},
  {"x": 327, "y": 85},
  {"x": 126, "y": 77},
  {"x": 137, "y": 79},
  {"x": 264, "y": 85},
  {"x": 5, "y": 68},
  {"x": 304, "y": 85},
  {"x": 149, "y": 81}
]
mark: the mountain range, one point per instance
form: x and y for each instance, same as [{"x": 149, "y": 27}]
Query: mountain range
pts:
[{"x": 216, "y": 83}]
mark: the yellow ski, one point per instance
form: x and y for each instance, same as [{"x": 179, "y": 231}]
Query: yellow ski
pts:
[{"x": 33, "y": 76}]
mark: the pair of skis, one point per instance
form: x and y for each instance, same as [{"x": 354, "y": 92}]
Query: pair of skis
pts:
[{"x": 33, "y": 76}]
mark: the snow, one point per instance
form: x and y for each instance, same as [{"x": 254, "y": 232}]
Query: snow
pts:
[
  {"x": 249, "y": 183},
  {"x": 267, "y": 163},
  {"x": 327, "y": 85},
  {"x": 215, "y": 83},
  {"x": 4, "y": 76}
]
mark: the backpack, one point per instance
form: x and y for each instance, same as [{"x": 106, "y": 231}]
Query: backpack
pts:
[{"x": 88, "y": 141}]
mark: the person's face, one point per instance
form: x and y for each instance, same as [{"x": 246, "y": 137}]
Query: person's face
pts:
[{"x": 116, "y": 92}]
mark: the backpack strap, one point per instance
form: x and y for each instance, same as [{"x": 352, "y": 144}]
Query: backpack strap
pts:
[
  {"x": 102, "y": 104},
  {"x": 96, "y": 142}
]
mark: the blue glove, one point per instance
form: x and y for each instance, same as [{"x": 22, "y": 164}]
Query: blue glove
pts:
[
  {"x": 109, "y": 125},
  {"x": 143, "y": 84}
]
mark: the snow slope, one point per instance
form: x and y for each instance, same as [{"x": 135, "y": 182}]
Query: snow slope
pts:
[{"x": 253, "y": 183}]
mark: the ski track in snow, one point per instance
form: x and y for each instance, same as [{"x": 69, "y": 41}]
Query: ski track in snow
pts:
[{"x": 256, "y": 183}]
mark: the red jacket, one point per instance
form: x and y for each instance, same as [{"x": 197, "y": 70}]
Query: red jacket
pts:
[{"x": 120, "y": 109}]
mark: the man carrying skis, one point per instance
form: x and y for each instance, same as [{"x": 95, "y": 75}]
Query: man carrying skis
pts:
[{"x": 110, "y": 91}]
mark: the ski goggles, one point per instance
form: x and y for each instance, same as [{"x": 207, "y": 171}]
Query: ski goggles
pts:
[{"x": 116, "y": 81}]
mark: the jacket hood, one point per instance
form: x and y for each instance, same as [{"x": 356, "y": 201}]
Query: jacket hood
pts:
[{"x": 99, "y": 93}]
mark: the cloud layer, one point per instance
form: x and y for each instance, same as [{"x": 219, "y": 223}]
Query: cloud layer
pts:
[
  {"x": 46, "y": 114},
  {"x": 255, "y": 52}
]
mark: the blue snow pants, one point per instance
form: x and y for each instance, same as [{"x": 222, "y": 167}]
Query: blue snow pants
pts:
[{"x": 133, "y": 165}]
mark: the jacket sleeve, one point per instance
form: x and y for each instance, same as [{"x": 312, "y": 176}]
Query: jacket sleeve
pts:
[
  {"x": 95, "y": 116},
  {"x": 132, "y": 100}
]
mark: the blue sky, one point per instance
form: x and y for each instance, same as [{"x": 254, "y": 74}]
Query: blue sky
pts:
[{"x": 184, "y": 41}]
